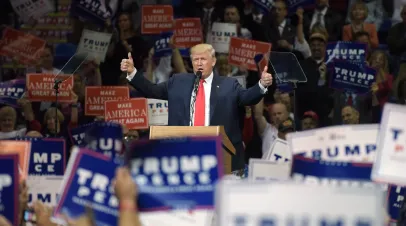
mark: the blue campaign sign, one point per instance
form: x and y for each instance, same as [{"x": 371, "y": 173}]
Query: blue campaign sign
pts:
[
  {"x": 346, "y": 51},
  {"x": 264, "y": 6},
  {"x": 48, "y": 156},
  {"x": 11, "y": 91},
  {"x": 293, "y": 5},
  {"x": 106, "y": 138},
  {"x": 344, "y": 173},
  {"x": 77, "y": 135},
  {"x": 9, "y": 180},
  {"x": 94, "y": 10},
  {"x": 355, "y": 78},
  {"x": 161, "y": 46},
  {"x": 176, "y": 173},
  {"x": 90, "y": 185}
]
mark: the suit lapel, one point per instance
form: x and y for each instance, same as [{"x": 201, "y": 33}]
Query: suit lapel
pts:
[{"x": 213, "y": 94}]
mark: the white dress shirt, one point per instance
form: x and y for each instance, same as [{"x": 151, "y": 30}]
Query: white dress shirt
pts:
[
  {"x": 207, "y": 91},
  {"x": 281, "y": 27}
]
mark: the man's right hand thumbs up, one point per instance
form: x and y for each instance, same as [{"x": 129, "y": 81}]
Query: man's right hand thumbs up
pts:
[{"x": 127, "y": 65}]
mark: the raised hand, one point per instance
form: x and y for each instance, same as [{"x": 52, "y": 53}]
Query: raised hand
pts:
[
  {"x": 127, "y": 65},
  {"x": 266, "y": 78}
]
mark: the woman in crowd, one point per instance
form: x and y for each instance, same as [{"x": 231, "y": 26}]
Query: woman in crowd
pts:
[{"x": 358, "y": 14}]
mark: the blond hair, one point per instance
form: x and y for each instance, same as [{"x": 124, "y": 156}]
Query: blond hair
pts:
[
  {"x": 201, "y": 48},
  {"x": 8, "y": 111},
  {"x": 51, "y": 113},
  {"x": 362, "y": 5}
]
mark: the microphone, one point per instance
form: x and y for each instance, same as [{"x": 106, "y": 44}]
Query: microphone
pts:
[{"x": 194, "y": 94}]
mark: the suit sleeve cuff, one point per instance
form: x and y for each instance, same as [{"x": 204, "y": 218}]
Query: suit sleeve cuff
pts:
[
  {"x": 131, "y": 75},
  {"x": 263, "y": 89}
]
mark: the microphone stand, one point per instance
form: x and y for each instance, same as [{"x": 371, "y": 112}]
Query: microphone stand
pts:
[
  {"x": 192, "y": 104},
  {"x": 56, "y": 88}
]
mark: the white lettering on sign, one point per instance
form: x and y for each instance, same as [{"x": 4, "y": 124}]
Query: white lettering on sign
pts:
[
  {"x": 186, "y": 169},
  {"x": 44, "y": 158},
  {"x": 99, "y": 183}
]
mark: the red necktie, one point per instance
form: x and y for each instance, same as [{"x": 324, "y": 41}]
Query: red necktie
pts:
[
  {"x": 200, "y": 106},
  {"x": 349, "y": 100}
]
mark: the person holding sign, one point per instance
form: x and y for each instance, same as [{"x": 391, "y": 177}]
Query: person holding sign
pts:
[{"x": 216, "y": 102}]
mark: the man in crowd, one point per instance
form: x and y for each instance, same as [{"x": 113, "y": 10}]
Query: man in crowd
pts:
[
  {"x": 217, "y": 100},
  {"x": 350, "y": 115},
  {"x": 310, "y": 120}
]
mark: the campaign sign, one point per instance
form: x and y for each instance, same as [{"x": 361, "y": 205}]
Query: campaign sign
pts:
[
  {"x": 187, "y": 32},
  {"x": 89, "y": 184},
  {"x": 11, "y": 91},
  {"x": 156, "y": 19},
  {"x": 264, "y": 5},
  {"x": 161, "y": 46},
  {"x": 132, "y": 113},
  {"x": 279, "y": 152},
  {"x": 77, "y": 135},
  {"x": 176, "y": 174},
  {"x": 44, "y": 189},
  {"x": 243, "y": 52},
  {"x": 220, "y": 36},
  {"x": 158, "y": 112},
  {"x": 391, "y": 155},
  {"x": 344, "y": 174},
  {"x": 95, "y": 96},
  {"x": 31, "y": 9},
  {"x": 94, "y": 10},
  {"x": 23, "y": 149},
  {"x": 48, "y": 156},
  {"x": 9, "y": 179},
  {"x": 40, "y": 87},
  {"x": 106, "y": 138},
  {"x": 347, "y": 143},
  {"x": 94, "y": 43},
  {"x": 346, "y": 51},
  {"x": 262, "y": 169},
  {"x": 247, "y": 203},
  {"x": 355, "y": 78}
]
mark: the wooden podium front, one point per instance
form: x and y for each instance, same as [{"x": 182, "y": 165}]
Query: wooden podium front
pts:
[{"x": 158, "y": 132}]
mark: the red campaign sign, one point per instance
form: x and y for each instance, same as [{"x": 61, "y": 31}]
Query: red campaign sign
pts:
[
  {"x": 22, "y": 46},
  {"x": 132, "y": 113},
  {"x": 156, "y": 19},
  {"x": 243, "y": 51},
  {"x": 187, "y": 32}
]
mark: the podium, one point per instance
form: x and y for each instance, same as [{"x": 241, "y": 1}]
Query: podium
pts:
[{"x": 159, "y": 132}]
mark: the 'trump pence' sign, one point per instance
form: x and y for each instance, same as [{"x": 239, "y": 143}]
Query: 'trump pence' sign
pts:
[
  {"x": 356, "y": 143},
  {"x": 94, "y": 43},
  {"x": 89, "y": 183},
  {"x": 220, "y": 36},
  {"x": 257, "y": 204},
  {"x": 9, "y": 188}
]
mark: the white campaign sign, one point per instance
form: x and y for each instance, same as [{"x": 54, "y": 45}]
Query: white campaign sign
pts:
[
  {"x": 279, "y": 152},
  {"x": 157, "y": 112},
  {"x": 94, "y": 43},
  {"x": 349, "y": 143},
  {"x": 390, "y": 162},
  {"x": 220, "y": 36},
  {"x": 31, "y": 9},
  {"x": 262, "y": 170},
  {"x": 283, "y": 204},
  {"x": 44, "y": 188}
]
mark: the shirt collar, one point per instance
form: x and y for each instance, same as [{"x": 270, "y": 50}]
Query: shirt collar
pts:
[
  {"x": 209, "y": 79},
  {"x": 282, "y": 25},
  {"x": 323, "y": 12}
]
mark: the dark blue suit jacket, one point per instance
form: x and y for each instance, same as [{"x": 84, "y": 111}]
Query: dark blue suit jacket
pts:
[{"x": 225, "y": 98}]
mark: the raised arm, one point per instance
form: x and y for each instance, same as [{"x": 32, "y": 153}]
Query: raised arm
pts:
[
  {"x": 254, "y": 94},
  {"x": 140, "y": 83}
]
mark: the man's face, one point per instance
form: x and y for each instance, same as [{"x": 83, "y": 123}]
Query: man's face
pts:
[
  {"x": 349, "y": 116},
  {"x": 280, "y": 10},
  {"x": 364, "y": 39},
  {"x": 124, "y": 22},
  {"x": 203, "y": 62},
  {"x": 279, "y": 114},
  {"x": 308, "y": 123},
  {"x": 231, "y": 15},
  {"x": 318, "y": 48}
]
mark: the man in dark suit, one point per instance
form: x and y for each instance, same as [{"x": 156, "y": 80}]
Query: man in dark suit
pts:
[{"x": 217, "y": 100}]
